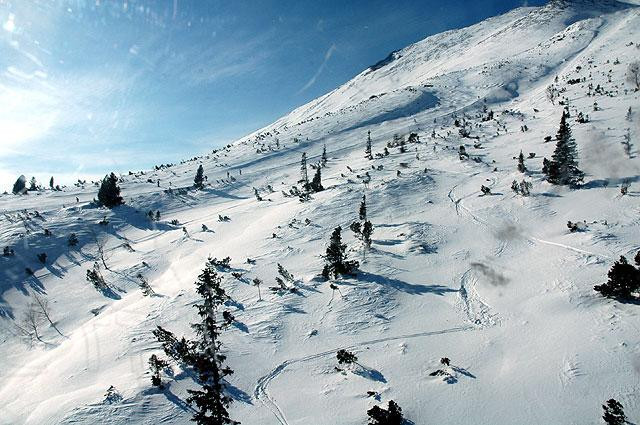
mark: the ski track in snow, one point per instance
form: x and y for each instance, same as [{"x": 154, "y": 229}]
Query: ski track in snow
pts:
[
  {"x": 261, "y": 390},
  {"x": 476, "y": 310},
  {"x": 459, "y": 206}
]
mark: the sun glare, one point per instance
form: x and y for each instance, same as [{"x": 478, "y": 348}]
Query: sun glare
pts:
[{"x": 10, "y": 25}]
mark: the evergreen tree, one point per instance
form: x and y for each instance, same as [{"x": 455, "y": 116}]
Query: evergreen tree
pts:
[
  {"x": 390, "y": 416},
  {"x": 367, "y": 231},
  {"x": 563, "y": 167},
  {"x": 545, "y": 166},
  {"x": 51, "y": 185},
  {"x": 257, "y": 194},
  {"x": 316, "y": 183},
  {"x": 304, "y": 176},
  {"x": 367, "y": 150},
  {"x": 33, "y": 184},
  {"x": 324, "y": 156},
  {"x": 521, "y": 167},
  {"x": 180, "y": 350},
  {"x": 363, "y": 231},
  {"x": 211, "y": 402},
  {"x": 346, "y": 357},
  {"x": 198, "y": 180},
  {"x": 624, "y": 280},
  {"x": 73, "y": 240},
  {"x": 285, "y": 274},
  {"x": 19, "y": 187},
  {"x": 109, "y": 193},
  {"x": 336, "y": 262},
  {"x": 613, "y": 413},
  {"x": 156, "y": 365},
  {"x": 363, "y": 208}
]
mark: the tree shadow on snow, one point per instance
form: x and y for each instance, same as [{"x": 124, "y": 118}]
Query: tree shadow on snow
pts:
[
  {"x": 58, "y": 272},
  {"x": 370, "y": 373},
  {"x": 237, "y": 394},
  {"x": 241, "y": 326},
  {"x": 382, "y": 252},
  {"x": 598, "y": 183},
  {"x": 387, "y": 242},
  {"x": 138, "y": 219},
  {"x": 403, "y": 286},
  {"x": 548, "y": 195},
  {"x": 463, "y": 371},
  {"x": 234, "y": 303},
  {"x": 110, "y": 293},
  {"x": 183, "y": 405},
  {"x": 289, "y": 309},
  {"x": 221, "y": 194}
]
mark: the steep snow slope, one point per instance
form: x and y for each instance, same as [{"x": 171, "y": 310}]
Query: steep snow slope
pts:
[{"x": 496, "y": 283}]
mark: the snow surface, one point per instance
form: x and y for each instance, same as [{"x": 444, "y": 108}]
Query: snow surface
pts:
[{"x": 496, "y": 283}]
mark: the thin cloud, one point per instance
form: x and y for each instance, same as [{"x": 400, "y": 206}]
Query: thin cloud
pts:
[{"x": 313, "y": 79}]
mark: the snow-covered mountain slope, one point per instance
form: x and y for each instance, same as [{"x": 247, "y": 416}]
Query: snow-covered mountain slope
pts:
[{"x": 497, "y": 283}]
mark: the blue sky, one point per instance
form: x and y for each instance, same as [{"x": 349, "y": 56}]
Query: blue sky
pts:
[{"x": 92, "y": 86}]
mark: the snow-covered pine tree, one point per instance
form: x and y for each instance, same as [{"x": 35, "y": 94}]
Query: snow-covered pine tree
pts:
[
  {"x": 156, "y": 365},
  {"x": 51, "y": 185},
  {"x": 367, "y": 231},
  {"x": 305, "y": 194},
  {"x": 109, "y": 193},
  {"x": 304, "y": 176},
  {"x": 633, "y": 74},
  {"x": 367, "y": 150},
  {"x": 336, "y": 262},
  {"x": 613, "y": 413},
  {"x": 545, "y": 166},
  {"x": 180, "y": 350},
  {"x": 390, "y": 416},
  {"x": 346, "y": 357},
  {"x": 521, "y": 167},
  {"x": 316, "y": 183},
  {"x": 257, "y": 282},
  {"x": 285, "y": 274},
  {"x": 624, "y": 280},
  {"x": 323, "y": 160},
  {"x": 626, "y": 142},
  {"x": 523, "y": 188},
  {"x": 211, "y": 402},
  {"x": 363, "y": 208},
  {"x": 563, "y": 167},
  {"x": 198, "y": 180}
]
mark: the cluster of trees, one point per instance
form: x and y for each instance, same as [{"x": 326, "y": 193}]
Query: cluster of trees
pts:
[
  {"x": 363, "y": 229},
  {"x": 20, "y": 186},
  {"x": 522, "y": 188},
  {"x": 392, "y": 415},
  {"x": 313, "y": 186}
]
